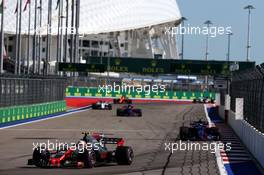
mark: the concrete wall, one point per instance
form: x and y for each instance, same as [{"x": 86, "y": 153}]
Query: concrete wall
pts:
[
  {"x": 222, "y": 112},
  {"x": 252, "y": 138}
]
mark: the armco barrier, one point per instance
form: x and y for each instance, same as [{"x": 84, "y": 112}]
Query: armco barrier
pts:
[
  {"x": 250, "y": 136},
  {"x": 96, "y": 92},
  {"x": 12, "y": 114}
]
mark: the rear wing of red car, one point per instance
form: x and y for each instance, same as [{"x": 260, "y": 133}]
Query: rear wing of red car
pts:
[{"x": 109, "y": 140}]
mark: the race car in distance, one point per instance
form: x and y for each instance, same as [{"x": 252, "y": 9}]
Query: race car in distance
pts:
[
  {"x": 102, "y": 105},
  {"x": 203, "y": 100},
  {"x": 128, "y": 110},
  {"x": 122, "y": 100},
  {"x": 98, "y": 154},
  {"x": 199, "y": 131}
]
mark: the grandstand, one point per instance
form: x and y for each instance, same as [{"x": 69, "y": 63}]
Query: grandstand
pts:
[{"x": 120, "y": 28}]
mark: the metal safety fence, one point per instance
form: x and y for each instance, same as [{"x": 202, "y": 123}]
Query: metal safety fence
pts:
[
  {"x": 250, "y": 86},
  {"x": 17, "y": 91}
]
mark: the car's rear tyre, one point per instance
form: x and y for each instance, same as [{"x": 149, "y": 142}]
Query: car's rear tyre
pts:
[
  {"x": 184, "y": 133},
  {"x": 90, "y": 159},
  {"x": 214, "y": 132},
  {"x": 124, "y": 155},
  {"x": 93, "y": 106},
  {"x": 138, "y": 112},
  {"x": 41, "y": 158},
  {"x": 119, "y": 112}
]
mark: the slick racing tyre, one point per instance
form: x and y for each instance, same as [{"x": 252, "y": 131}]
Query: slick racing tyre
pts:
[
  {"x": 121, "y": 112},
  {"x": 94, "y": 106},
  {"x": 124, "y": 155},
  {"x": 138, "y": 112},
  {"x": 41, "y": 158},
  {"x": 90, "y": 160},
  {"x": 184, "y": 133},
  {"x": 116, "y": 101}
]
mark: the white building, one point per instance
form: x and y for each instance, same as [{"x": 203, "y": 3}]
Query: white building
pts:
[{"x": 121, "y": 28}]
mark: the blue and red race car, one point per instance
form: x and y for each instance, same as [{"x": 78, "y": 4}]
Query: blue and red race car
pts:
[
  {"x": 128, "y": 111},
  {"x": 81, "y": 157},
  {"x": 199, "y": 131}
]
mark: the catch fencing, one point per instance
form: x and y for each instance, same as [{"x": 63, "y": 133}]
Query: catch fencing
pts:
[
  {"x": 250, "y": 86},
  {"x": 27, "y": 90}
]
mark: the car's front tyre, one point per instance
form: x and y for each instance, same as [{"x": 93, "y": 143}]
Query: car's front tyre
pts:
[
  {"x": 41, "y": 158},
  {"x": 124, "y": 155},
  {"x": 89, "y": 159}
]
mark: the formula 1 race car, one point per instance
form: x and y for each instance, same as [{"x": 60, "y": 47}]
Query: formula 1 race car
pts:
[
  {"x": 203, "y": 100},
  {"x": 101, "y": 105},
  {"x": 89, "y": 152},
  {"x": 128, "y": 111},
  {"x": 122, "y": 100},
  {"x": 199, "y": 131}
]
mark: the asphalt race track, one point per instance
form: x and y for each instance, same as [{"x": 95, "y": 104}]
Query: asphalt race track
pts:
[{"x": 147, "y": 135}]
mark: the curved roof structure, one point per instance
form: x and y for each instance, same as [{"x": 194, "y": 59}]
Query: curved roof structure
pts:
[{"x": 101, "y": 16}]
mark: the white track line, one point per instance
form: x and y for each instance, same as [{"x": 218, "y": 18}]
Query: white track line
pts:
[{"x": 219, "y": 160}]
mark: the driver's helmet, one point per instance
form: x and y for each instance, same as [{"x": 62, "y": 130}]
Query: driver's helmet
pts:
[{"x": 82, "y": 142}]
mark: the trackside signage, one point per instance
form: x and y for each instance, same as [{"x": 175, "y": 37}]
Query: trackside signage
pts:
[
  {"x": 168, "y": 66},
  {"x": 158, "y": 93}
]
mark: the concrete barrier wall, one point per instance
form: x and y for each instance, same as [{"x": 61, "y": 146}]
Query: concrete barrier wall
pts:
[
  {"x": 16, "y": 113},
  {"x": 252, "y": 138}
]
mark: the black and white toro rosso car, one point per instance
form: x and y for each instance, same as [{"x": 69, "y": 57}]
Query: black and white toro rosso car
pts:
[
  {"x": 199, "y": 131},
  {"x": 82, "y": 156},
  {"x": 129, "y": 111},
  {"x": 101, "y": 105}
]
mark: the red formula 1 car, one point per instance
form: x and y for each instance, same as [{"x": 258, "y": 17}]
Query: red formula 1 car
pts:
[
  {"x": 122, "y": 100},
  {"x": 128, "y": 111},
  {"x": 83, "y": 156}
]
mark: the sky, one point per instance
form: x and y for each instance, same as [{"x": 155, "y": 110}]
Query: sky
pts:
[{"x": 224, "y": 13}]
